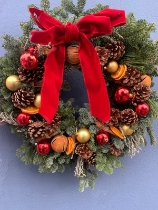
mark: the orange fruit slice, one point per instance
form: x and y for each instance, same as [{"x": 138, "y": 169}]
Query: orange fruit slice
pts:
[
  {"x": 116, "y": 132},
  {"x": 123, "y": 72},
  {"x": 30, "y": 110},
  {"x": 146, "y": 80},
  {"x": 120, "y": 72},
  {"x": 71, "y": 146}
]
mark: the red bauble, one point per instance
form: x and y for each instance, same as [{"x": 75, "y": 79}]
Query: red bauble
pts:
[
  {"x": 122, "y": 95},
  {"x": 43, "y": 147},
  {"x": 33, "y": 50},
  {"x": 28, "y": 60},
  {"x": 142, "y": 109},
  {"x": 23, "y": 119},
  {"x": 102, "y": 137}
]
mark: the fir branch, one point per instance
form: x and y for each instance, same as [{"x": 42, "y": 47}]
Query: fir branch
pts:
[{"x": 151, "y": 133}]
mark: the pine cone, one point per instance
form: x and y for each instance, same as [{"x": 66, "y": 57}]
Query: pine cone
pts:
[
  {"x": 32, "y": 76},
  {"x": 116, "y": 48},
  {"x": 141, "y": 92},
  {"x": 84, "y": 151},
  {"x": 131, "y": 77},
  {"x": 115, "y": 117},
  {"x": 40, "y": 130},
  {"x": 103, "y": 54},
  {"x": 23, "y": 98},
  {"x": 91, "y": 161},
  {"x": 115, "y": 151},
  {"x": 56, "y": 121},
  {"x": 128, "y": 117}
]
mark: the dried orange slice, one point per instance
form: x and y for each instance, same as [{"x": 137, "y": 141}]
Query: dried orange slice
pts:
[
  {"x": 30, "y": 110},
  {"x": 123, "y": 72},
  {"x": 120, "y": 72},
  {"x": 116, "y": 132},
  {"x": 71, "y": 146}
]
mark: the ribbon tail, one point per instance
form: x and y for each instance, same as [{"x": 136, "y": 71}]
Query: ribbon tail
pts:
[
  {"x": 52, "y": 82},
  {"x": 94, "y": 81}
]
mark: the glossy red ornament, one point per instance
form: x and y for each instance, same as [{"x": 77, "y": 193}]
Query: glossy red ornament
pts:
[
  {"x": 33, "y": 50},
  {"x": 142, "y": 109},
  {"x": 28, "y": 60},
  {"x": 122, "y": 95},
  {"x": 23, "y": 119},
  {"x": 43, "y": 147},
  {"x": 102, "y": 137}
]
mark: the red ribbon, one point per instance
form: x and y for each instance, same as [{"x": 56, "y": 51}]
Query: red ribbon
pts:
[{"x": 56, "y": 33}]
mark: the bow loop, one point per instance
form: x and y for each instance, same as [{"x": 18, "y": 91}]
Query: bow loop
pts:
[{"x": 71, "y": 33}]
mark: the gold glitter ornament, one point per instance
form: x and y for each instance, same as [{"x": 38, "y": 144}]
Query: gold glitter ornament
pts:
[
  {"x": 13, "y": 82},
  {"x": 127, "y": 130},
  {"x": 37, "y": 101}
]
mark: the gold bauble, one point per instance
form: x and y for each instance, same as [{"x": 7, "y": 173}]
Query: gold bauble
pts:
[
  {"x": 146, "y": 80},
  {"x": 13, "y": 83},
  {"x": 72, "y": 56},
  {"x": 112, "y": 67},
  {"x": 37, "y": 101},
  {"x": 127, "y": 130},
  {"x": 59, "y": 143},
  {"x": 83, "y": 135}
]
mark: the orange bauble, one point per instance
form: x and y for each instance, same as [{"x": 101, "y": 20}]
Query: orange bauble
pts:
[
  {"x": 72, "y": 54},
  {"x": 146, "y": 80},
  {"x": 59, "y": 143}
]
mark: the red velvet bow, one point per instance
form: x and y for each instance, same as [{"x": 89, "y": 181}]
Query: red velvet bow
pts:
[{"x": 56, "y": 33}]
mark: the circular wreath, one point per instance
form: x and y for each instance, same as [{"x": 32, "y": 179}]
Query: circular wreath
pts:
[{"x": 118, "y": 70}]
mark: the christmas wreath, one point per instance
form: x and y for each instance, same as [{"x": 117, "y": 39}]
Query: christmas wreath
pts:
[{"x": 117, "y": 59}]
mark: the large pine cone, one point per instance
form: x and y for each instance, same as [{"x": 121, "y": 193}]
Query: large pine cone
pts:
[
  {"x": 115, "y": 117},
  {"x": 40, "y": 130},
  {"x": 23, "y": 98},
  {"x": 115, "y": 151},
  {"x": 32, "y": 76},
  {"x": 116, "y": 48},
  {"x": 131, "y": 77},
  {"x": 84, "y": 151},
  {"x": 103, "y": 54},
  {"x": 128, "y": 117},
  {"x": 91, "y": 161},
  {"x": 141, "y": 92}
]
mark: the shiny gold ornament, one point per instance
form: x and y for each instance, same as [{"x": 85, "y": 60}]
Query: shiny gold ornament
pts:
[
  {"x": 59, "y": 143},
  {"x": 83, "y": 135},
  {"x": 72, "y": 54},
  {"x": 37, "y": 101},
  {"x": 127, "y": 130},
  {"x": 112, "y": 67},
  {"x": 13, "y": 83}
]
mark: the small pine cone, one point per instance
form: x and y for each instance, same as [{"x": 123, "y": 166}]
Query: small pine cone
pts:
[
  {"x": 23, "y": 98},
  {"x": 56, "y": 121},
  {"x": 116, "y": 48},
  {"x": 131, "y": 77},
  {"x": 115, "y": 151},
  {"x": 91, "y": 161},
  {"x": 115, "y": 117},
  {"x": 32, "y": 76},
  {"x": 141, "y": 92},
  {"x": 40, "y": 130},
  {"x": 128, "y": 117},
  {"x": 103, "y": 54},
  {"x": 84, "y": 151}
]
